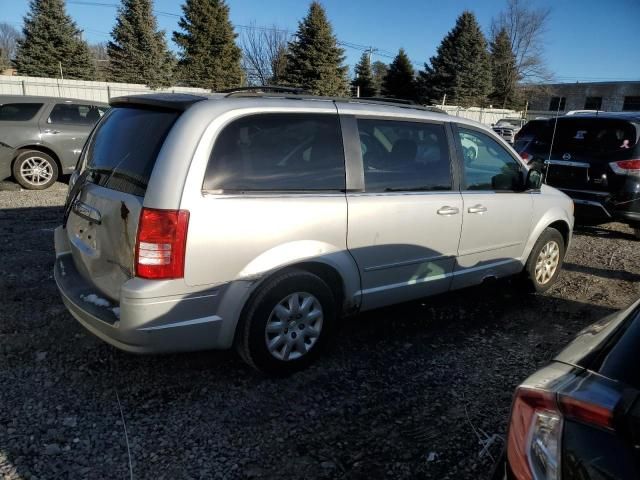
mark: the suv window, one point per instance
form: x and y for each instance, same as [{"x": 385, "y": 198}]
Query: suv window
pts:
[
  {"x": 123, "y": 150},
  {"x": 275, "y": 152},
  {"x": 404, "y": 156},
  {"x": 75, "y": 114},
  {"x": 19, "y": 112},
  {"x": 487, "y": 164},
  {"x": 593, "y": 135}
]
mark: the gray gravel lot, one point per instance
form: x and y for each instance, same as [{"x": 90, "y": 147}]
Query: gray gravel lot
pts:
[{"x": 404, "y": 393}]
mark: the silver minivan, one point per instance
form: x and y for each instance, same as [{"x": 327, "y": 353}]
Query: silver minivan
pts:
[{"x": 258, "y": 221}]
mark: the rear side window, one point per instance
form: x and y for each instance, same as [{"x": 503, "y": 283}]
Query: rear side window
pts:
[
  {"x": 75, "y": 114},
  {"x": 404, "y": 156},
  {"x": 592, "y": 135},
  {"x": 278, "y": 152},
  {"x": 123, "y": 150},
  {"x": 19, "y": 112}
]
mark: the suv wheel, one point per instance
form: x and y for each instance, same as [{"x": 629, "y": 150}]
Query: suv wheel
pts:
[
  {"x": 287, "y": 322},
  {"x": 545, "y": 261},
  {"x": 636, "y": 232},
  {"x": 35, "y": 170}
]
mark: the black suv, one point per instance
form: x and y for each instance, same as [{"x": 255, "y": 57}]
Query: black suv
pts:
[{"x": 594, "y": 159}]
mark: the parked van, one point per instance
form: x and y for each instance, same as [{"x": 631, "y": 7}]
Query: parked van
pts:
[{"x": 259, "y": 220}]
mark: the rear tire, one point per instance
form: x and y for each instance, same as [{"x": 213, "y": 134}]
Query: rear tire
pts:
[
  {"x": 35, "y": 170},
  {"x": 287, "y": 323},
  {"x": 545, "y": 261},
  {"x": 636, "y": 232}
]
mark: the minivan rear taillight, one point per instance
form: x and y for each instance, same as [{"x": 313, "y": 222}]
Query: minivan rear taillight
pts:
[
  {"x": 161, "y": 242},
  {"x": 626, "y": 167},
  {"x": 535, "y": 430}
]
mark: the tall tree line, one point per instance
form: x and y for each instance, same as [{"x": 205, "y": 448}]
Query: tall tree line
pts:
[{"x": 467, "y": 69}]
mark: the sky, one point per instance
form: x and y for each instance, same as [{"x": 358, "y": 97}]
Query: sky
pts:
[{"x": 585, "y": 40}]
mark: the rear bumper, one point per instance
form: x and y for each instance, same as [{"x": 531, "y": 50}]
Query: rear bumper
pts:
[
  {"x": 605, "y": 207},
  {"x": 200, "y": 320}
]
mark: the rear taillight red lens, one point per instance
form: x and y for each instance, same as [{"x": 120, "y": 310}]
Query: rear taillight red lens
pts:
[
  {"x": 626, "y": 167},
  {"x": 533, "y": 445},
  {"x": 161, "y": 242},
  {"x": 525, "y": 156},
  {"x": 535, "y": 430},
  {"x": 586, "y": 412}
]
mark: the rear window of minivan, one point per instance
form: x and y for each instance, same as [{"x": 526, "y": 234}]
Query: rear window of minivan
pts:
[
  {"x": 122, "y": 151},
  {"x": 278, "y": 152}
]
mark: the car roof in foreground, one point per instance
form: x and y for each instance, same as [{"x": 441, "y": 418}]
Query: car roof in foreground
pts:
[
  {"x": 44, "y": 99},
  {"x": 183, "y": 101}
]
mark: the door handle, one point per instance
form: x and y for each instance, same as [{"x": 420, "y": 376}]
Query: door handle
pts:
[
  {"x": 446, "y": 210},
  {"x": 477, "y": 209},
  {"x": 48, "y": 130}
]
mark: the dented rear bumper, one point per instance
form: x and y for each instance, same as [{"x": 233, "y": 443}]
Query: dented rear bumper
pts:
[{"x": 148, "y": 319}]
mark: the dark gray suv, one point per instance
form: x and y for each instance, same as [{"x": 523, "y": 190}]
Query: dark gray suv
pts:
[{"x": 41, "y": 137}]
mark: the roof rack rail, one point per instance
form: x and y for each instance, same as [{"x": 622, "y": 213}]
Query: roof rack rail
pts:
[
  {"x": 264, "y": 89},
  {"x": 388, "y": 100}
]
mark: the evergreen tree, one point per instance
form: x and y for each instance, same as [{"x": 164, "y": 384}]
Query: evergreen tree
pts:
[
  {"x": 364, "y": 77},
  {"x": 314, "y": 60},
  {"x": 210, "y": 57},
  {"x": 378, "y": 72},
  {"x": 400, "y": 80},
  {"x": 461, "y": 68},
  {"x": 138, "y": 51},
  {"x": 51, "y": 41},
  {"x": 503, "y": 71}
]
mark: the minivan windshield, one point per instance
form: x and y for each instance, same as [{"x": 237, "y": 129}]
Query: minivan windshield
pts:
[{"x": 123, "y": 150}]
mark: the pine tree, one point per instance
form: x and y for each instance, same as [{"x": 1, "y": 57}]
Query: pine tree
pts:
[
  {"x": 52, "y": 41},
  {"x": 400, "y": 80},
  {"x": 364, "y": 77},
  {"x": 503, "y": 71},
  {"x": 314, "y": 60},
  {"x": 138, "y": 51},
  {"x": 209, "y": 55},
  {"x": 461, "y": 68},
  {"x": 379, "y": 71}
]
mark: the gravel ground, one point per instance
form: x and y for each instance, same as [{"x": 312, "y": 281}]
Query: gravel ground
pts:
[{"x": 407, "y": 392}]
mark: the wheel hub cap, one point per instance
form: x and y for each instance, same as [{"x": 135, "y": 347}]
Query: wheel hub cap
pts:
[
  {"x": 547, "y": 262},
  {"x": 294, "y": 326}
]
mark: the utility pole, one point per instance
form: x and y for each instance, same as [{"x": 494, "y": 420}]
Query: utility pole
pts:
[{"x": 371, "y": 51}]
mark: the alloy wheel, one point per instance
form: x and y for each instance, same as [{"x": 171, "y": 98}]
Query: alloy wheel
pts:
[
  {"x": 547, "y": 262},
  {"x": 36, "y": 171}
]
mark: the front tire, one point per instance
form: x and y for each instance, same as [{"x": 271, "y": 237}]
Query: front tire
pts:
[
  {"x": 287, "y": 323},
  {"x": 636, "y": 232},
  {"x": 35, "y": 170},
  {"x": 545, "y": 261}
]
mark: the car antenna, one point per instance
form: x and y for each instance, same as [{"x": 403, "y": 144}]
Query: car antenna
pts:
[{"x": 553, "y": 137}]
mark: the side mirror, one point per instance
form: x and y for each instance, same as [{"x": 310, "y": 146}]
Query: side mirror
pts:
[{"x": 533, "y": 180}]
